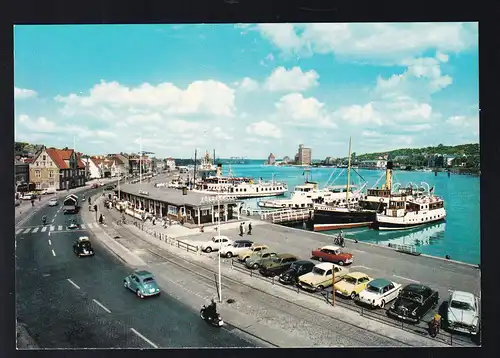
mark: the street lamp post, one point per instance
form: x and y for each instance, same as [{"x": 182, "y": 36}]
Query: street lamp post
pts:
[
  {"x": 218, "y": 234},
  {"x": 140, "y": 159}
]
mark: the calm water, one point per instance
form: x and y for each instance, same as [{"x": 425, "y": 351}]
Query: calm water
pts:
[{"x": 458, "y": 237}]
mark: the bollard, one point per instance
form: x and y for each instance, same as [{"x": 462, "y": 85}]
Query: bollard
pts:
[
  {"x": 232, "y": 264},
  {"x": 272, "y": 280},
  {"x": 251, "y": 273},
  {"x": 361, "y": 310},
  {"x": 298, "y": 291}
]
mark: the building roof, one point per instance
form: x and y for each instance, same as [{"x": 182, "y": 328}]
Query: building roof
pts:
[
  {"x": 169, "y": 195},
  {"x": 59, "y": 157}
]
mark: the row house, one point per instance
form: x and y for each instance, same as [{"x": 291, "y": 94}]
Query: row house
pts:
[{"x": 57, "y": 168}]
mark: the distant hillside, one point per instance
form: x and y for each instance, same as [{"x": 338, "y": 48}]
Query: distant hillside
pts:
[
  {"x": 23, "y": 148},
  {"x": 457, "y": 150}
]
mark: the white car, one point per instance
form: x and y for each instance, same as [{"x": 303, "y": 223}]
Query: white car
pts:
[
  {"x": 53, "y": 202},
  {"x": 28, "y": 197},
  {"x": 236, "y": 248},
  {"x": 379, "y": 292},
  {"x": 49, "y": 191},
  {"x": 463, "y": 312},
  {"x": 215, "y": 243}
]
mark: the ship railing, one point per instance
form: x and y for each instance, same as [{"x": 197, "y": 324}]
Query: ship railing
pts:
[{"x": 287, "y": 215}]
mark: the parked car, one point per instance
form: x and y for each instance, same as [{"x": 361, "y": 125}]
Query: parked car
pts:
[
  {"x": 53, "y": 202},
  {"x": 142, "y": 283},
  {"x": 28, "y": 196},
  {"x": 321, "y": 276},
  {"x": 260, "y": 257},
  {"x": 277, "y": 265},
  {"x": 83, "y": 247},
  {"x": 215, "y": 243},
  {"x": 352, "y": 284},
  {"x": 332, "y": 254},
  {"x": 297, "y": 269},
  {"x": 413, "y": 302},
  {"x": 236, "y": 247},
  {"x": 379, "y": 292},
  {"x": 244, "y": 255},
  {"x": 463, "y": 312}
]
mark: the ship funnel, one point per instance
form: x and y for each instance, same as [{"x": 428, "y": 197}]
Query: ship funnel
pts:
[
  {"x": 219, "y": 170},
  {"x": 388, "y": 176}
]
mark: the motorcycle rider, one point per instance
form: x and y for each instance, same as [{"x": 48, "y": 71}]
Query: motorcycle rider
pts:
[{"x": 211, "y": 310}]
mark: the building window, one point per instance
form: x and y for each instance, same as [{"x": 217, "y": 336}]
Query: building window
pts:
[
  {"x": 38, "y": 185},
  {"x": 51, "y": 173},
  {"x": 51, "y": 184},
  {"x": 44, "y": 157},
  {"x": 38, "y": 174},
  {"x": 172, "y": 210}
]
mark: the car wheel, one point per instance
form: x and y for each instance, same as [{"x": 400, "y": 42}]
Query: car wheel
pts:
[
  {"x": 255, "y": 266},
  {"x": 229, "y": 255},
  {"x": 320, "y": 288},
  {"x": 125, "y": 284},
  {"x": 320, "y": 259},
  {"x": 245, "y": 259},
  {"x": 341, "y": 263},
  {"x": 382, "y": 304},
  {"x": 353, "y": 295},
  {"x": 139, "y": 294},
  {"x": 208, "y": 250}
]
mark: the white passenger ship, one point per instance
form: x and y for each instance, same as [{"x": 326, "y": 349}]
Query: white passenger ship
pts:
[{"x": 410, "y": 212}]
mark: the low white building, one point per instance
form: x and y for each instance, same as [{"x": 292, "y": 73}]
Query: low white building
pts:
[
  {"x": 93, "y": 169},
  {"x": 170, "y": 164}
]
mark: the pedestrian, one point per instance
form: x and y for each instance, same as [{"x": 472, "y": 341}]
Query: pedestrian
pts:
[
  {"x": 241, "y": 229},
  {"x": 249, "y": 229},
  {"x": 100, "y": 219},
  {"x": 103, "y": 219},
  {"x": 39, "y": 198},
  {"x": 154, "y": 221},
  {"x": 202, "y": 229},
  {"x": 32, "y": 202}
]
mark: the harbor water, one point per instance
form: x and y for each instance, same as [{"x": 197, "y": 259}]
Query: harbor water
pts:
[{"x": 458, "y": 236}]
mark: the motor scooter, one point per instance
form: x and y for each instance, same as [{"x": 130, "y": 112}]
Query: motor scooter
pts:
[{"x": 214, "y": 321}]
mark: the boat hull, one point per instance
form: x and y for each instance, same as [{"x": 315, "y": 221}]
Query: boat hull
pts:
[
  {"x": 333, "y": 220},
  {"x": 403, "y": 226}
]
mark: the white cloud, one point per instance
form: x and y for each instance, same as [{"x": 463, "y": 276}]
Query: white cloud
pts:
[
  {"x": 219, "y": 133},
  {"x": 264, "y": 129},
  {"x": 297, "y": 110},
  {"x": 40, "y": 124},
  {"x": 21, "y": 93},
  {"x": 442, "y": 56},
  {"x": 357, "y": 115},
  {"x": 371, "y": 42},
  {"x": 291, "y": 80},
  {"x": 200, "y": 97},
  {"x": 247, "y": 84}
]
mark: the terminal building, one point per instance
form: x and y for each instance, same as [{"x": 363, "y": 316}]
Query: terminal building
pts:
[{"x": 193, "y": 208}]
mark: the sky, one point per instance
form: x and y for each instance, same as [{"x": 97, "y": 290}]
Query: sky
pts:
[{"x": 246, "y": 89}]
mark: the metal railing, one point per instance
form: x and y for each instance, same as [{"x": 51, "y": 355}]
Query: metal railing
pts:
[
  {"x": 408, "y": 249},
  {"x": 165, "y": 238},
  {"x": 278, "y": 216}
]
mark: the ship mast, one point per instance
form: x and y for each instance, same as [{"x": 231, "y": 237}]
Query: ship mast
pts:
[{"x": 348, "y": 173}]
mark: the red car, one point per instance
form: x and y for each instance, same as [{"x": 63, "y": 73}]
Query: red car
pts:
[{"x": 332, "y": 254}]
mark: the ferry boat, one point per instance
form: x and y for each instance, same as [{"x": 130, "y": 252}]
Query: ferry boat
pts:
[
  {"x": 207, "y": 167},
  {"x": 411, "y": 212}
]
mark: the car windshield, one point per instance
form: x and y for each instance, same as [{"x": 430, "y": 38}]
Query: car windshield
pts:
[
  {"x": 373, "y": 289},
  {"x": 318, "y": 271},
  {"x": 148, "y": 280},
  {"x": 294, "y": 266},
  {"x": 461, "y": 305},
  {"x": 411, "y": 296},
  {"x": 85, "y": 244},
  {"x": 350, "y": 280}
]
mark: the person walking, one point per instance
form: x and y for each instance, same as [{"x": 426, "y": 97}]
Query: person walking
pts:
[
  {"x": 100, "y": 219},
  {"x": 249, "y": 229},
  {"x": 241, "y": 229}
]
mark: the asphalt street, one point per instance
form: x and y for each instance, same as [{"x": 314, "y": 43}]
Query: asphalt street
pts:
[{"x": 71, "y": 302}]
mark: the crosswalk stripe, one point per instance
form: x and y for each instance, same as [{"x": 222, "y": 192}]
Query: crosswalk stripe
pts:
[
  {"x": 52, "y": 227},
  {"x": 19, "y": 231},
  {"x": 26, "y": 231},
  {"x": 44, "y": 229},
  {"x": 35, "y": 230},
  {"x": 59, "y": 227},
  {"x": 82, "y": 226}
]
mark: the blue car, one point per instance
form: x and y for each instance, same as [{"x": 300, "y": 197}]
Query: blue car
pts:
[{"x": 142, "y": 283}]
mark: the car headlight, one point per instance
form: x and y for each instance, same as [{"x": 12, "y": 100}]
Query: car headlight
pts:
[{"x": 414, "y": 312}]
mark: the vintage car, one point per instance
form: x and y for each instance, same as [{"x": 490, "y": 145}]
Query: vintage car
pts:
[
  {"x": 53, "y": 202},
  {"x": 73, "y": 225},
  {"x": 413, "y": 302},
  {"x": 236, "y": 247},
  {"x": 297, "y": 269},
  {"x": 277, "y": 265},
  {"x": 379, "y": 292},
  {"x": 352, "y": 284},
  {"x": 332, "y": 254},
  {"x": 322, "y": 276},
  {"x": 254, "y": 261},
  {"x": 82, "y": 247},
  {"x": 142, "y": 283},
  {"x": 244, "y": 255},
  {"x": 463, "y": 312},
  {"x": 215, "y": 243}
]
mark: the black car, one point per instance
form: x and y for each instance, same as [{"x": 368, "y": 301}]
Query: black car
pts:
[
  {"x": 277, "y": 265},
  {"x": 413, "y": 302},
  {"x": 298, "y": 268},
  {"x": 83, "y": 247}
]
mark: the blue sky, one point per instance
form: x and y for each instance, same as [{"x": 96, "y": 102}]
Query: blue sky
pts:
[{"x": 247, "y": 89}]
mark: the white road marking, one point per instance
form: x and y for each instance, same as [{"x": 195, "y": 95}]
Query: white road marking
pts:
[
  {"x": 53, "y": 252},
  {"x": 26, "y": 231},
  {"x": 52, "y": 227},
  {"x": 406, "y": 278},
  {"x": 147, "y": 340},
  {"x": 366, "y": 268},
  {"x": 19, "y": 231},
  {"x": 50, "y": 242},
  {"x": 356, "y": 250},
  {"x": 53, "y": 220},
  {"x": 59, "y": 227},
  {"x": 74, "y": 284},
  {"x": 35, "y": 230},
  {"x": 82, "y": 226},
  {"x": 102, "y": 306},
  {"x": 44, "y": 229}
]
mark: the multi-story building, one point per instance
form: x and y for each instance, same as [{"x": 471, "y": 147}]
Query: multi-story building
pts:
[
  {"x": 93, "y": 170},
  {"x": 271, "y": 160},
  {"x": 57, "y": 168},
  {"x": 170, "y": 164},
  {"x": 304, "y": 155}
]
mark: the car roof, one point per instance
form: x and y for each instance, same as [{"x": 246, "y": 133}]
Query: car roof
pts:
[
  {"x": 259, "y": 245},
  {"x": 303, "y": 262},
  {"x": 414, "y": 287},
  {"x": 83, "y": 238},
  {"x": 357, "y": 275},
  {"x": 380, "y": 282},
  {"x": 143, "y": 273},
  {"x": 285, "y": 256},
  {"x": 243, "y": 242},
  {"x": 463, "y": 296},
  {"x": 325, "y": 266},
  {"x": 220, "y": 237},
  {"x": 330, "y": 247}
]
